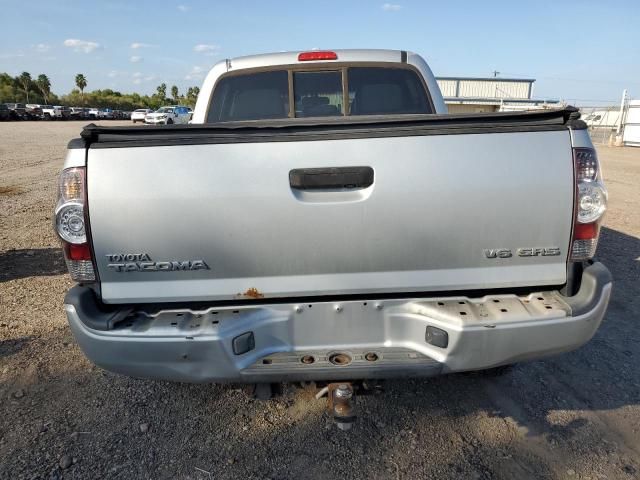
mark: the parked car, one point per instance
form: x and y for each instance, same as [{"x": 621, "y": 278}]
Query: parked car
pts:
[
  {"x": 51, "y": 112},
  {"x": 168, "y": 115},
  {"x": 139, "y": 114},
  {"x": 94, "y": 112},
  {"x": 17, "y": 111},
  {"x": 78, "y": 113},
  {"x": 5, "y": 113},
  {"x": 34, "y": 111},
  {"x": 65, "y": 112},
  {"x": 320, "y": 230},
  {"x": 105, "y": 114}
]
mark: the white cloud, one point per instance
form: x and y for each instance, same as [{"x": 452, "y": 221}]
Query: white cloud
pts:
[
  {"x": 81, "y": 45},
  {"x": 196, "y": 73},
  {"x": 391, "y": 7},
  {"x": 136, "y": 45},
  {"x": 206, "y": 49},
  {"x": 139, "y": 77},
  {"x": 184, "y": 8},
  {"x": 42, "y": 48},
  {"x": 135, "y": 59},
  {"x": 11, "y": 55}
]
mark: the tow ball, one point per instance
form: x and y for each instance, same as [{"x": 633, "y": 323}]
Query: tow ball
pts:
[{"x": 340, "y": 403}]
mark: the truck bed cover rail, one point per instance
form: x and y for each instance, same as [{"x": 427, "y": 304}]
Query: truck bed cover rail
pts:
[{"x": 328, "y": 128}]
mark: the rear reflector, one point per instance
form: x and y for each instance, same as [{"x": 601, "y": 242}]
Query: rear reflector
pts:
[
  {"x": 79, "y": 252},
  {"x": 585, "y": 231},
  {"x": 317, "y": 55}
]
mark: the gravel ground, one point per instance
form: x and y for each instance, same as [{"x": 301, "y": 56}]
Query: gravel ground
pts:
[{"x": 573, "y": 416}]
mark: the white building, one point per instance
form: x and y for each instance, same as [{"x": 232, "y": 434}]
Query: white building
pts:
[
  {"x": 632, "y": 124},
  {"x": 477, "y": 94}
]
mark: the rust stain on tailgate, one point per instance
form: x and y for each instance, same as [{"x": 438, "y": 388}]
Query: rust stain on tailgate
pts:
[{"x": 252, "y": 293}]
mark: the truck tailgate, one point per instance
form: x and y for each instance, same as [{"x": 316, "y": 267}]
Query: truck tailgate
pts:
[{"x": 221, "y": 221}]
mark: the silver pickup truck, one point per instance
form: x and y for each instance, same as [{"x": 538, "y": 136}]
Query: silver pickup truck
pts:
[{"x": 324, "y": 218}]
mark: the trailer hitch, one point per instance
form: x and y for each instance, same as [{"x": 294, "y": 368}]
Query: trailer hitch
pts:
[{"x": 341, "y": 404}]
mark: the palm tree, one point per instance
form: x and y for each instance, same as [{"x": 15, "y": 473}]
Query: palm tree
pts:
[
  {"x": 162, "y": 91},
  {"x": 25, "y": 82},
  {"x": 174, "y": 93},
  {"x": 81, "y": 83},
  {"x": 192, "y": 95},
  {"x": 44, "y": 85}
]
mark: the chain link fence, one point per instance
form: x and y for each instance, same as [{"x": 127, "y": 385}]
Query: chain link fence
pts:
[{"x": 602, "y": 122}]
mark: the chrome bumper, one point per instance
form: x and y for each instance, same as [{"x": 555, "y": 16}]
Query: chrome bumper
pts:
[{"x": 382, "y": 338}]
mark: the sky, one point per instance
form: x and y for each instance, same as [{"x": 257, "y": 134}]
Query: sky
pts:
[{"x": 581, "y": 51}]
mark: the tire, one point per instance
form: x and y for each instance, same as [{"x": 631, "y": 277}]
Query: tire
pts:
[{"x": 169, "y": 122}]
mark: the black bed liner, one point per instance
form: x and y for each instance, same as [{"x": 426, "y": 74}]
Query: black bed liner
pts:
[{"x": 301, "y": 129}]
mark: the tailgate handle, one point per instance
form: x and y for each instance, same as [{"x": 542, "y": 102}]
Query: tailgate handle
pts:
[{"x": 331, "y": 178}]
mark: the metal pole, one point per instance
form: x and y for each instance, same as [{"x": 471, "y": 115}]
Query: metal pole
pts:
[{"x": 622, "y": 105}]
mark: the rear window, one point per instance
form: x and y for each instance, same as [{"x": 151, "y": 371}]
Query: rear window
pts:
[
  {"x": 386, "y": 91},
  {"x": 254, "y": 96},
  {"x": 371, "y": 91},
  {"x": 318, "y": 94}
]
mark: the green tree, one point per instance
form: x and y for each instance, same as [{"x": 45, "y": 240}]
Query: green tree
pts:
[
  {"x": 174, "y": 93},
  {"x": 44, "y": 85},
  {"x": 8, "y": 88},
  {"x": 192, "y": 95},
  {"x": 162, "y": 91},
  {"x": 16, "y": 89},
  {"x": 25, "y": 82},
  {"x": 81, "y": 83}
]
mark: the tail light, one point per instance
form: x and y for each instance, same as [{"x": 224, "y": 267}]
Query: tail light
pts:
[
  {"x": 591, "y": 203},
  {"x": 71, "y": 224}
]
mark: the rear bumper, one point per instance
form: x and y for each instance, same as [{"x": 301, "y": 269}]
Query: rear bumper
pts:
[{"x": 208, "y": 345}]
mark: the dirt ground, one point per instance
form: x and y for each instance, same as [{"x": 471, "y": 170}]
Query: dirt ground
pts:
[{"x": 569, "y": 417}]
